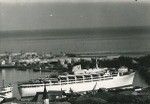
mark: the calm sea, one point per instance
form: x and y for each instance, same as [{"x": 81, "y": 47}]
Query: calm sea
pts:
[{"x": 77, "y": 40}]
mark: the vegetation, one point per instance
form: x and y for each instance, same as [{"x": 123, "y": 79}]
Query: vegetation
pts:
[
  {"x": 117, "y": 63},
  {"x": 144, "y": 67},
  {"x": 105, "y": 97}
]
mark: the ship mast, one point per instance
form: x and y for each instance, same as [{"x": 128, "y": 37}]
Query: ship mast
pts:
[
  {"x": 96, "y": 64},
  {"x": 3, "y": 83},
  {"x": 3, "y": 78}
]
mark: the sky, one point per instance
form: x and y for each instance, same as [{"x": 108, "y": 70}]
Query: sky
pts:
[{"x": 68, "y": 14}]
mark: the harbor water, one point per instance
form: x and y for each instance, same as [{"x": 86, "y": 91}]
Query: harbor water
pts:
[{"x": 12, "y": 76}]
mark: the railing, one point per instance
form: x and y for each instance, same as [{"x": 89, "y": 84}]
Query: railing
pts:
[{"x": 81, "y": 79}]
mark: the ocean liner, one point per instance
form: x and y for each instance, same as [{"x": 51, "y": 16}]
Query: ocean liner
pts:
[{"x": 80, "y": 81}]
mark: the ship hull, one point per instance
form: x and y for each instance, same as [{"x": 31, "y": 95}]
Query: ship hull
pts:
[{"x": 115, "y": 82}]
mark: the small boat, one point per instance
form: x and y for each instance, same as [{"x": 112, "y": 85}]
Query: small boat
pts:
[
  {"x": 1, "y": 98},
  {"x": 6, "y": 91}
]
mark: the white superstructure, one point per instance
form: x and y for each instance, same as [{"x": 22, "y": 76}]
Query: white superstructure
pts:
[
  {"x": 78, "y": 70},
  {"x": 78, "y": 82}
]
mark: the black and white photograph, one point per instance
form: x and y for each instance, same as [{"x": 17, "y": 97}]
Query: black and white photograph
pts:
[{"x": 74, "y": 51}]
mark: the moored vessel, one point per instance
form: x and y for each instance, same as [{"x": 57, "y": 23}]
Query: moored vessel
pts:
[
  {"x": 79, "y": 82},
  {"x": 6, "y": 92}
]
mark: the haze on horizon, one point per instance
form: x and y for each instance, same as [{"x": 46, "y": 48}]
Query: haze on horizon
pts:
[{"x": 68, "y": 14}]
